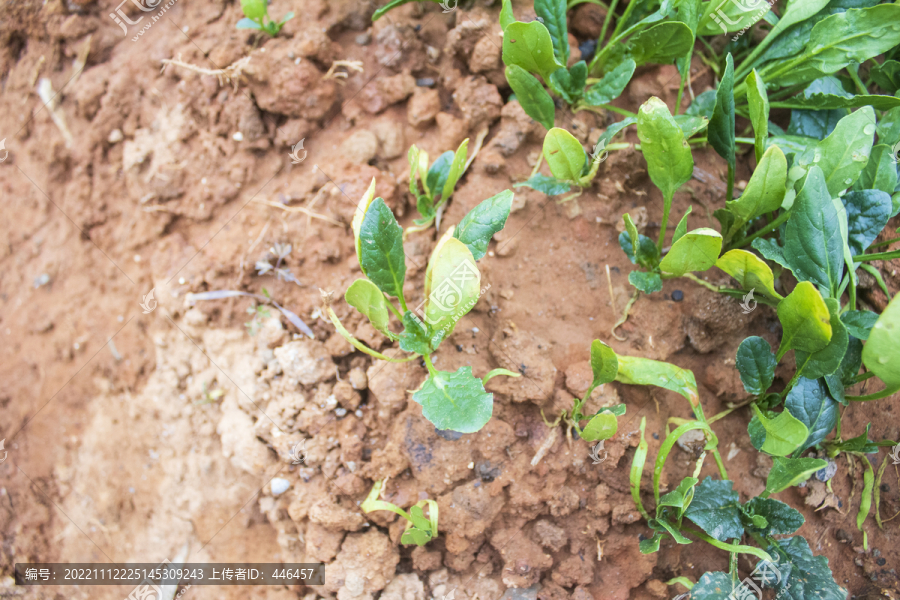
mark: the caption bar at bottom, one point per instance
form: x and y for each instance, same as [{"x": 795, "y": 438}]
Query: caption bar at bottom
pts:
[{"x": 169, "y": 574}]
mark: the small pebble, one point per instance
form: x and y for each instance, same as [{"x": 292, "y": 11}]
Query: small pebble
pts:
[
  {"x": 42, "y": 279},
  {"x": 238, "y": 136},
  {"x": 677, "y": 295},
  {"x": 364, "y": 39},
  {"x": 587, "y": 47},
  {"x": 115, "y": 136},
  {"x": 448, "y": 434},
  {"x": 280, "y": 486},
  {"x": 358, "y": 413},
  {"x": 341, "y": 412},
  {"x": 425, "y": 82},
  {"x": 827, "y": 472}
]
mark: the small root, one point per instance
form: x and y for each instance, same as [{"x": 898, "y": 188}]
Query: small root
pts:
[
  {"x": 624, "y": 316},
  {"x": 230, "y": 74},
  {"x": 339, "y": 76}
]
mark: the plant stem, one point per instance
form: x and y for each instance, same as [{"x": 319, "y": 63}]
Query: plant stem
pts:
[
  {"x": 862, "y": 377},
  {"x": 620, "y": 22},
  {"x": 392, "y": 307},
  {"x": 854, "y": 75},
  {"x": 729, "y": 190},
  {"x": 730, "y": 547},
  {"x": 429, "y": 365},
  {"x": 606, "y": 21},
  {"x": 699, "y": 281},
  {"x": 684, "y": 78},
  {"x": 358, "y": 344},
  {"x": 624, "y": 316},
  {"x": 767, "y": 229},
  {"x": 877, "y": 256},
  {"x": 885, "y": 243},
  {"x": 667, "y": 206}
]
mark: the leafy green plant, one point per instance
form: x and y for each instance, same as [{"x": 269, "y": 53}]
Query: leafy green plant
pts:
[
  {"x": 419, "y": 529},
  {"x": 256, "y": 16},
  {"x": 541, "y": 49},
  {"x": 456, "y": 401},
  {"x": 438, "y": 181}
]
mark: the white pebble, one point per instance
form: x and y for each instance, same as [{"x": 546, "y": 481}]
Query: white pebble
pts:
[{"x": 280, "y": 486}]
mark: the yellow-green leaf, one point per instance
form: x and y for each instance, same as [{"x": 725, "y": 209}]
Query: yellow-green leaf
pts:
[{"x": 750, "y": 271}]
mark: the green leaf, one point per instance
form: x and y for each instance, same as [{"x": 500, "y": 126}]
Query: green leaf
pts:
[
  {"x": 506, "y": 14},
  {"x": 668, "y": 156},
  {"x": 481, "y": 223},
  {"x": 887, "y": 76},
  {"x": 770, "y": 250},
  {"x": 749, "y": 271},
  {"x": 381, "y": 255},
  {"x": 695, "y": 251},
  {"x": 758, "y": 101},
  {"x": 417, "y": 336},
  {"x": 827, "y": 360},
  {"x": 645, "y": 282},
  {"x": 783, "y": 434},
  {"x": 390, "y": 6},
  {"x": 703, "y": 105},
  {"x": 844, "y": 153},
  {"x": 452, "y": 283},
  {"x": 678, "y": 500},
  {"x": 438, "y": 173},
  {"x": 715, "y": 509},
  {"x": 248, "y": 24},
  {"x": 691, "y": 125},
  {"x": 868, "y": 212},
  {"x": 564, "y": 154},
  {"x": 535, "y": 100},
  {"x": 456, "y": 170},
  {"x": 662, "y": 43},
  {"x": 802, "y": 575},
  {"x": 791, "y": 471},
  {"x": 529, "y": 46},
  {"x": 550, "y": 186},
  {"x": 814, "y": 244},
  {"x": 420, "y": 532},
  {"x": 756, "y": 365},
  {"x": 720, "y": 132},
  {"x": 254, "y": 9},
  {"x": 641, "y": 250},
  {"x": 805, "y": 320},
  {"x": 888, "y": 127},
  {"x": 831, "y": 102},
  {"x": 553, "y": 15},
  {"x": 764, "y": 192},
  {"x": 780, "y": 518},
  {"x": 810, "y": 403},
  {"x": 634, "y": 370},
  {"x": 859, "y": 323},
  {"x": 881, "y": 354},
  {"x": 836, "y": 42},
  {"x": 651, "y": 545},
  {"x": 714, "y": 585},
  {"x": 570, "y": 82},
  {"x": 611, "y": 84},
  {"x": 602, "y": 426},
  {"x": 455, "y": 401},
  {"x": 368, "y": 299},
  {"x": 681, "y": 228},
  {"x": 880, "y": 173},
  {"x": 723, "y": 16},
  {"x": 361, "y": 210},
  {"x": 604, "y": 363}
]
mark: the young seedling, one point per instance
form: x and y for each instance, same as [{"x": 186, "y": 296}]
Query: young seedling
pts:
[
  {"x": 603, "y": 424},
  {"x": 439, "y": 182},
  {"x": 419, "y": 529},
  {"x": 455, "y": 401},
  {"x": 256, "y": 16},
  {"x": 569, "y": 164}
]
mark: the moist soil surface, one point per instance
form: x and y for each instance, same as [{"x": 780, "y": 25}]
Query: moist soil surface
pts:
[{"x": 137, "y": 427}]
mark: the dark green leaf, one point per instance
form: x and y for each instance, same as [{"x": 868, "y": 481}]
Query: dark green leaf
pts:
[
  {"x": 849, "y": 368},
  {"x": 651, "y": 545},
  {"x": 550, "y": 186},
  {"x": 809, "y": 401},
  {"x": 835, "y": 106},
  {"x": 714, "y": 586},
  {"x": 675, "y": 502},
  {"x": 438, "y": 173},
  {"x": 815, "y": 246},
  {"x": 417, "y": 336},
  {"x": 868, "y": 212},
  {"x": 802, "y": 576},
  {"x": 887, "y": 76},
  {"x": 553, "y": 15},
  {"x": 381, "y": 249},
  {"x": 888, "y": 127},
  {"x": 780, "y": 518},
  {"x": 756, "y": 365},
  {"x": 715, "y": 509},
  {"x": 662, "y": 43},
  {"x": 570, "y": 82},
  {"x": 455, "y": 401},
  {"x": 646, "y": 282},
  {"x": 880, "y": 173},
  {"x": 647, "y": 254},
  {"x": 611, "y": 84},
  {"x": 721, "y": 125},
  {"x": 481, "y": 223},
  {"x": 859, "y": 323},
  {"x": 703, "y": 105},
  {"x": 758, "y": 101}
]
